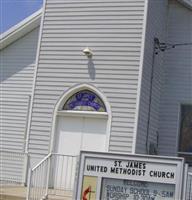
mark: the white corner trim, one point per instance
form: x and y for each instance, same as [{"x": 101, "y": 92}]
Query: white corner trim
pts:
[
  {"x": 35, "y": 74},
  {"x": 20, "y": 29},
  {"x": 140, "y": 77}
]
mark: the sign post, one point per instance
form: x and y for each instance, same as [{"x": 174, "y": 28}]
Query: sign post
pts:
[{"x": 109, "y": 176}]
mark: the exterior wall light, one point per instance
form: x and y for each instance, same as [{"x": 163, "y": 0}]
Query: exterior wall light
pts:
[{"x": 88, "y": 52}]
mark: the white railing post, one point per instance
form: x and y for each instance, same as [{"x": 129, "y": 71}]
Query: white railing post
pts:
[
  {"x": 48, "y": 175},
  {"x": 25, "y": 171},
  {"x": 29, "y": 185}
]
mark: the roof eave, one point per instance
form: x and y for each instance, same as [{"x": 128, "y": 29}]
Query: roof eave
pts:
[{"x": 20, "y": 29}]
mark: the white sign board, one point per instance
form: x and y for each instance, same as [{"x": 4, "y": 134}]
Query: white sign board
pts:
[{"x": 109, "y": 176}]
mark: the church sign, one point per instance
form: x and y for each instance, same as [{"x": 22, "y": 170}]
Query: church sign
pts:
[{"x": 109, "y": 176}]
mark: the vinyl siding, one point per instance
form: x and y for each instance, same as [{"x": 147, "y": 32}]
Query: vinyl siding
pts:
[
  {"x": 17, "y": 71},
  {"x": 178, "y": 77},
  {"x": 113, "y": 30},
  {"x": 156, "y": 27}
]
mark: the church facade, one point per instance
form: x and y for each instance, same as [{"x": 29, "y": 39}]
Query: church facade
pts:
[{"x": 110, "y": 76}]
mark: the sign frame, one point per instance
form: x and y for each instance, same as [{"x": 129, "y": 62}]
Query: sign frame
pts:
[{"x": 86, "y": 156}]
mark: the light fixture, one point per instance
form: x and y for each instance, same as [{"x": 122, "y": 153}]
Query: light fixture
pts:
[{"x": 88, "y": 52}]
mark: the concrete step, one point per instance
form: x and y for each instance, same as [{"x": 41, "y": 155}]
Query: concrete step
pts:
[
  {"x": 55, "y": 197},
  {"x": 13, "y": 193},
  {"x": 20, "y": 192},
  {"x": 59, "y": 195},
  {"x": 11, "y": 197}
]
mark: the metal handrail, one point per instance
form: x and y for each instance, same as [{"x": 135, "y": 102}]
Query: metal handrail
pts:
[
  {"x": 38, "y": 180},
  {"x": 54, "y": 174},
  {"x": 59, "y": 154},
  {"x": 46, "y": 157}
]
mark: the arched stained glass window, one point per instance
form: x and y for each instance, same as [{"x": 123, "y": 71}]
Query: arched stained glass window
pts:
[{"x": 85, "y": 100}]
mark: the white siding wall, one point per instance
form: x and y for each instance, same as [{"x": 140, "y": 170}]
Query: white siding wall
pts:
[
  {"x": 113, "y": 30},
  {"x": 178, "y": 77},
  {"x": 16, "y": 68},
  {"x": 156, "y": 27}
]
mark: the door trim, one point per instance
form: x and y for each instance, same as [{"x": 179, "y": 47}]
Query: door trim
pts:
[
  {"x": 82, "y": 114},
  {"x": 58, "y": 111}
]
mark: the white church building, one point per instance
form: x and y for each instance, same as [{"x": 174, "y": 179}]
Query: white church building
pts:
[{"x": 95, "y": 75}]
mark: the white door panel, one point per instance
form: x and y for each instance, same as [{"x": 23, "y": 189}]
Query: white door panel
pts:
[
  {"x": 72, "y": 135},
  {"x": 69, "y": 135},
  {"x": 94, "y": 134},
  {"x": 95, "y": 125},
  {"x": 93, "y": 142},
  {"x": 69, "y": 143}
]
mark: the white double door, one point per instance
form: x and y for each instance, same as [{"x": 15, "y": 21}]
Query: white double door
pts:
[
  {"x": 72, "y": 135},
  {"x": 80, "y": 133}
]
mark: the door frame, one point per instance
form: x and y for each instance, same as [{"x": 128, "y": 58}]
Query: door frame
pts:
[{"x": 58, "y": 111}]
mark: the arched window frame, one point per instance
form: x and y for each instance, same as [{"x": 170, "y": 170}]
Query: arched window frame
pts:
[{"x": 85, "y": 100}]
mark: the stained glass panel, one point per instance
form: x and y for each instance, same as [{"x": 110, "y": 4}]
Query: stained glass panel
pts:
[
  {"x": 85, "y": 100},
  {"x": 186, "y": 129}
]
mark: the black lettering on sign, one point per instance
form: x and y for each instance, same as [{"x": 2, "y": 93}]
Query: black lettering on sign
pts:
[
  {"x": 136, "y": 165},
  {"x": 143, "y": 197},
  {"x": 139, "y": 191},
  {"x": 97, "y": 168},
  {"x": 135, "y": 172},
  {"x": 113, "y": 188},
  {"x": 161, "y": 174},
  {"x": 117, "y": 163},
  {"x": 167, "y": 194},
  {"x": 117, "y": 196},
  {"x": 135, "y": 183}
]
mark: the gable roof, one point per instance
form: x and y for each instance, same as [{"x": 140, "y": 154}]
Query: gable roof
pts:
[
  {"x": 20, "y": 29},
  {"x": 33, "y": 21}
]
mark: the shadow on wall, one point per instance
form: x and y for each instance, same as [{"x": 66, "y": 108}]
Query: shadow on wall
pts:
[
  {"x": 18, "y": 58},
  {"x": 91, "y": 69}
]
